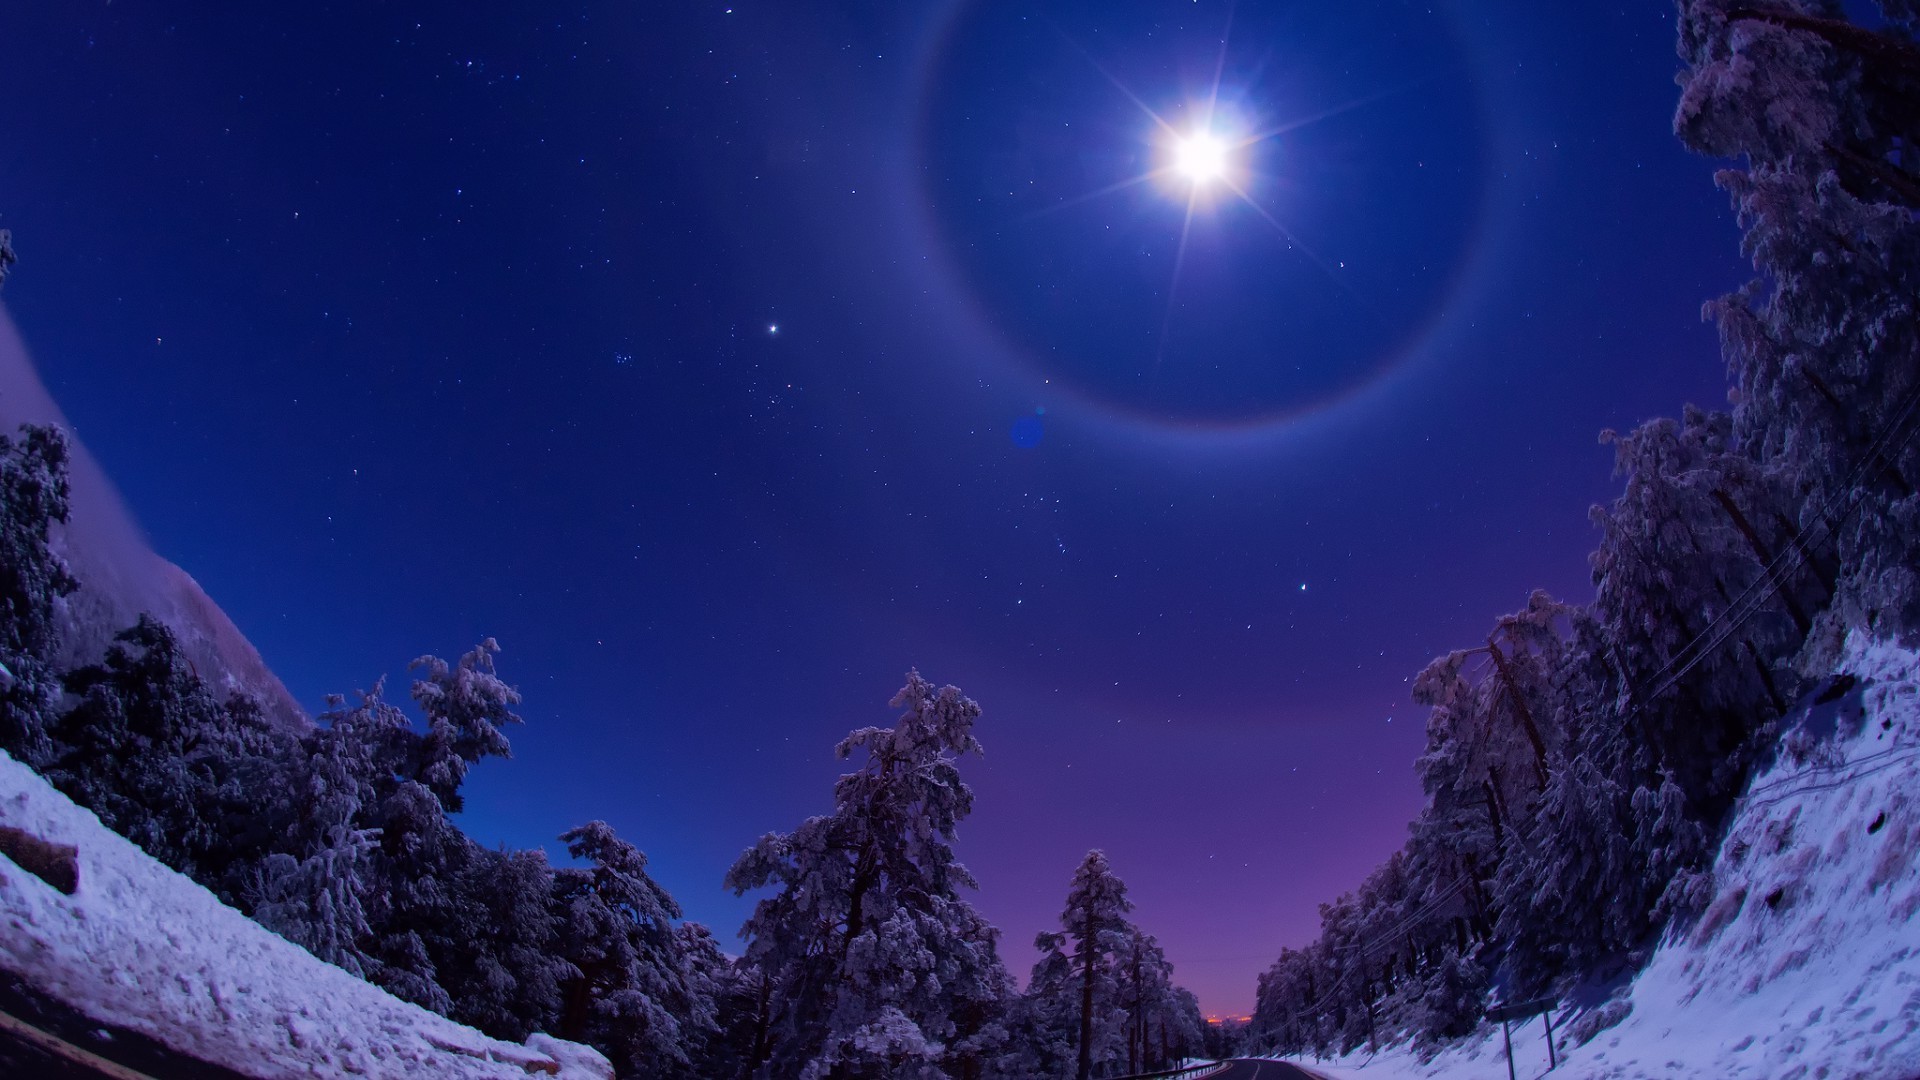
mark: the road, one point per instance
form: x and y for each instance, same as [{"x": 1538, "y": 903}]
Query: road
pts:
[{"x": 1261, "y": 1070}]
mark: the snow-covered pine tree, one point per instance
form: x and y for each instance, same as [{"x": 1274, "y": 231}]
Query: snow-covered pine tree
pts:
[
  {"x": 1043, "y": 1022},
  {"x": 1691, "y": 619},
  {"x": 315, "y": 885},
  {"x": 466, "y": 705},
  {"x": 730, "y": 993},
  {"x": 876, "y": 964},
  {"x": 1095, "y": 920},
  {"x": 1824, "y": 348},
  {"x": 1284, "y": 1004},
  {"x": 33, "y": 498},
  {"x": 316, "y": 902},
  {"x": 629, "y": 991},
  {"x": 149, "y": 750},
  {"x": 1163, "y": 1020},
  {"x": 1459, "y": 836},
  {"x": 456, "y": 928},
  {"x": 510, "y": 970},
  {"x": 1577, "y": 847}
]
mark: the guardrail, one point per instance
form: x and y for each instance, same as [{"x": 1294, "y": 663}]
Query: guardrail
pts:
[{"x": 1191, "y": 1072}]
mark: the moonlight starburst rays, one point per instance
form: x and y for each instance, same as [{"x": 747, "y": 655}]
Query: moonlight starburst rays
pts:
[
  {"x": 1204, "y": 157},
  {"x": 1045, "y": 155}
]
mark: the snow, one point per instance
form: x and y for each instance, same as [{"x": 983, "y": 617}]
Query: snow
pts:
[
  {"x": 1807, "y": 960},
  {"x": 121, "y": 576},
  {"x": 141, "y": 947}
]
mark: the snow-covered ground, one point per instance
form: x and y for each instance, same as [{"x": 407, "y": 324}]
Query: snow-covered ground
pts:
[
  {"x": 143, "y": 948},
  {"x": 1807, "y": 962}
]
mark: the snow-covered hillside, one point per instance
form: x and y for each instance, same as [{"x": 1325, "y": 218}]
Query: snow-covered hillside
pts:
[
  {"x": 121, "y": 577},
  {"x": 140, "y": 947},
  {"x": 1807, "y": 961}
]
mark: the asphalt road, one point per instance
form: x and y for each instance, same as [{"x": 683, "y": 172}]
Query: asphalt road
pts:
[{"x": 1261, "y": 1070}]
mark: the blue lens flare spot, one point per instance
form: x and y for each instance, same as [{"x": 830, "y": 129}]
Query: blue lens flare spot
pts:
[{"x": 1027, "y": 431}]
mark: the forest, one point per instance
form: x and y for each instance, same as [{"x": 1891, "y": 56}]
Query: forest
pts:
[
  {"x": 864, "y": 957},
  {"x": 1579, "y": 767},
  {"x": 1581, "y": 761}
]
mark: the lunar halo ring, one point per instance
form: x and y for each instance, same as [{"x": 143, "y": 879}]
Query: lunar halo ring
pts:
[{"x": 938, "y": 39}]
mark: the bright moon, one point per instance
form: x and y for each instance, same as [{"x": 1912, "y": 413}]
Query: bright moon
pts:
[{"x": 1200, "y": 157}]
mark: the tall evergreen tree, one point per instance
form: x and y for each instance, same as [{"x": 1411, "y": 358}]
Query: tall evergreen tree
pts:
[
  {"x": 629, "y": 990},
  {"x": 1824, "y": 348},
  {"x": 149, "y": 750},
  {"x": 1043, "y": 1022},
  {"x": 876, "y": 964},
  {"x": 1095, "y": 920}
]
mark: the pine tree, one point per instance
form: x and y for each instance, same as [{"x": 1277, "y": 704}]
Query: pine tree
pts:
[
  {"x": 317, "y": 902},
  {"x": 150, "y": 751},
  {"x": 876, "y": 964},
  {"x": 726, "y": 990},
  {"x": 1824, "y": 348},
  {"x": 629, "y": 992},
  {"x": 33, "y": 498},
  {"x": 1043, "y": 1022},
  {"x": 466, "y": 705},
  {"x": 1095, "y": 921}
]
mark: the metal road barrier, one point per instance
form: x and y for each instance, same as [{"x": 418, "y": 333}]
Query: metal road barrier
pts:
[{"x": 1191, "y": 1072}]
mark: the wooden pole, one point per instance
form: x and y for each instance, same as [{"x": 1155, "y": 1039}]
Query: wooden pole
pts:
[
  {"x": 1506, "y": 1032},
  {"x": 1552, "y": 1061}
]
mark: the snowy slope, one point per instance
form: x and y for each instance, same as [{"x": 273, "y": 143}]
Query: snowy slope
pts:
[
  {"x": 1807, "y": 961},
  {"x": 143, "y": 948},
  {"x": 121, "y": 577}
]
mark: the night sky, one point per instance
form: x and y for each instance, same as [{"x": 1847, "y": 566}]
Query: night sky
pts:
[{"x": 726, "y": 359}]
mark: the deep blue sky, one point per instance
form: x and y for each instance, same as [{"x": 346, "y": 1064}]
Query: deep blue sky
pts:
[{"x": 404, "y": 324}]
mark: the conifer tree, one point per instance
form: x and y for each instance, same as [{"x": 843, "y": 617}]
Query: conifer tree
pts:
[
  {"x": 1824, "y": 347},
  {"x": 33, "y": 498},
  {"x": 1095, "y": 921},
  {"x": 876, "y": 963},
  {"x": 628, "y": 990},
  {"x": 150, "y": 751}
]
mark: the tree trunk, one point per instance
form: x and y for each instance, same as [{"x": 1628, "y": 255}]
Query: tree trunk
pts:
[
  {"x": 1494, "y": 807},
  {"x": 1138, "y": 1035},
  {"x": 1765, "y": 556},
  {"x": 1526, "y": 714},
  {"x": 1085, "y": 1071},
  {"x": 762, "y": 1023},
  {"x": 1825, "y": 571},
  {"x": 573, "y": 1015}
]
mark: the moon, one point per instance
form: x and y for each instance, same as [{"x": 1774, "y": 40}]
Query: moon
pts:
[{"x": 1201, "y": 157}]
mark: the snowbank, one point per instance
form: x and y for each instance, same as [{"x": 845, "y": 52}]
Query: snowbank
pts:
[
  {"x": 1807, "y": 961},
  {"x": 141, "y": 947}
]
